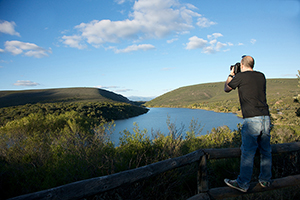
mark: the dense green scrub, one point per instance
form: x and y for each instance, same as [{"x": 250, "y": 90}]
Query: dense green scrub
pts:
[
  {"x": 93, "y": 111},
  {"x": 43, "y": 151},
  {"x": 49, "y": 145}
]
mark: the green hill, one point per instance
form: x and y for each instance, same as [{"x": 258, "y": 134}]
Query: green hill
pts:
[
  {"x": 214, "y": 92},
  {"x": 22, "y": 97},
  {"x": 93, "y": 104}
]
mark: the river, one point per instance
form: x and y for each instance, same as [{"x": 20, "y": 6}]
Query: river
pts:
[{"x": 156, "y": 119}]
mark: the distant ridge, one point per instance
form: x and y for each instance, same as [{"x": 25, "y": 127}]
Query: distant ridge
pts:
[
  {"x": 22, "y": 97},
  {"x": 214, "y": 92}
]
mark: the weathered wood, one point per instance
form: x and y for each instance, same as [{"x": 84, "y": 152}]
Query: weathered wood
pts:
[
  {"x": 85, "y": 188},
  {"x": 286, "y": 147},
  {"x": 201, "y": 196},
  {"x": 227, "y": 192},
  {"x": 236, "y": 152},
  {"x": 202, "y": 179}
]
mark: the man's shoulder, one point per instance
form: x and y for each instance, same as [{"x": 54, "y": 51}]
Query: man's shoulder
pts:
[{"x": 251, "y": 73}]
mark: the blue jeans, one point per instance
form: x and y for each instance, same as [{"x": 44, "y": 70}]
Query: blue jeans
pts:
[{"x": 255, "y": 134}]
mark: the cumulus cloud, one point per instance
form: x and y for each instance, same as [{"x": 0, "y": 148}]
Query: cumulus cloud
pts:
[
  {"x": 148, "y": 19},
  {"x": 28, "y": 49},
  {"x": 135, "y": 47},
  {"x": 204, "y": 22},
  {"x": 214, "y": 36},
  {"x": 8, "y": 28},
  {"x": 196, "y": 43},
  {"x": 220, "y": 45},
  {"x": 73, "y": 41},
  {"x": 25, "y": 83},
  {"x": 209, "y": 47}
]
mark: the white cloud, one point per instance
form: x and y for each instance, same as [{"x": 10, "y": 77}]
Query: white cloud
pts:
[
  {"x": 25, "y": 83},
  {"x": 212, "y": 42},
  {"x": 240, "y": 44},
  {"x": 172, "y": 40},
  {"x": 214, "y": 36},
  {"x": 220, "y": 46},
  {"x": 120, "y": 1},
  {"x": 123, "y": 90},
  {"x": 196, "y": 43},
  {"x": 5, "y": 61},
  {"x": 204, "y": 22},
  {"x": 113, "y": 88},
  {"x": 148, "y": 19},
  {"x": 135, "y": 47},
  {"x": 28, "y": 49},
  {"x": 209, "y": 50},
  {"x": 8, "y": 28},
  {"x": 1, "y": 50},
  {"x": 208, "y": 47},
  {"x": 106, "y": 87},
  {"x": 73, "y": 41},
  {"x": 253, "y": 41}
]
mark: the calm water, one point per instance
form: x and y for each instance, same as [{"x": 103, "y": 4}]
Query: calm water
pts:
[{"x": 156, "y": 119}]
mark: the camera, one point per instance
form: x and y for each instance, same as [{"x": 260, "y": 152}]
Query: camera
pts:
[{"x": 237, "y": 68}]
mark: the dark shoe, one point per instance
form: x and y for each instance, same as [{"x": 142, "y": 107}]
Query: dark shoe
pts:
[
  {"x": 264, "y": 183},
  {"x": 234, "y": 184}
]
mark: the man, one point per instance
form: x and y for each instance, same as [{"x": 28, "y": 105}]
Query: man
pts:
[{"x": 256, "y": 126}]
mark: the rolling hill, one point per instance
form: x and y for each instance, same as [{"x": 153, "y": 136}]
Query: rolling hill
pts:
[
  {"x": 22, "y": 97},
  {"x": 213, "y": 92}
]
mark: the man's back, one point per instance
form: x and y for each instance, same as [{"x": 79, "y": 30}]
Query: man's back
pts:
[{"x": 252, "y": 93}]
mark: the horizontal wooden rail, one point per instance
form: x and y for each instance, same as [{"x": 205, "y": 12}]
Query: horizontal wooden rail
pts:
[
  {"x": 236, "y": 152},
  {"x": 226, "y": 192},
  {"x": 90, "y": 187}
]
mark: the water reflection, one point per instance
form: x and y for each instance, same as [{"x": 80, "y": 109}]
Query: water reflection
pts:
[{"x": 156, "y": 120}]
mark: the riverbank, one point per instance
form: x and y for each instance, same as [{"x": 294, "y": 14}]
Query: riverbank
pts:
[{"x": 62, "y": 149}]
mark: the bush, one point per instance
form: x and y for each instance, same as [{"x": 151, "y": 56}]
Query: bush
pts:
[
  {"x": 45, "y": 151},
  {"x": 40, "y": 152}
]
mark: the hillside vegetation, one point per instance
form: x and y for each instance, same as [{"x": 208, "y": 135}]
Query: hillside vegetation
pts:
[
  {"x": 214, "y": 92},
  {"x": 22, "y": 97},
  {"x": 45, "y": 145},
  {"x": 96, "y": 105}
]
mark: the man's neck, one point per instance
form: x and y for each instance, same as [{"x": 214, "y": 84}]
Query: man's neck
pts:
[{"x": 247, "y": 69}]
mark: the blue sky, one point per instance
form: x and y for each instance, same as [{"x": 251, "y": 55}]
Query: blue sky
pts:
[{"x": 144, "y": 47}]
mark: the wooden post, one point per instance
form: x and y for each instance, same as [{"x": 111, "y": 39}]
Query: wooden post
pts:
[{"x": 202, "y": 181}]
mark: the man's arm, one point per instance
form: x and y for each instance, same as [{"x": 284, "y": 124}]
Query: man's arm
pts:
[{"x": 227, "y": 88}]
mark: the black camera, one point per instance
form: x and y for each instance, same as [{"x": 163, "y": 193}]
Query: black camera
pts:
[{"x": 237, "y": 68}]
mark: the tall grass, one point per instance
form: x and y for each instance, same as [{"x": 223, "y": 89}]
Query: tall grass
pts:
[{"x": 39, "y": 152}]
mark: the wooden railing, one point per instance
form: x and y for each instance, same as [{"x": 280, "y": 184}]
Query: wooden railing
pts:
[{"x": 90, "y": 187}]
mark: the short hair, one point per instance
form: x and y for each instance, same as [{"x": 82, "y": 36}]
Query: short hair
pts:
[{"x": 248, "y": 61}]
